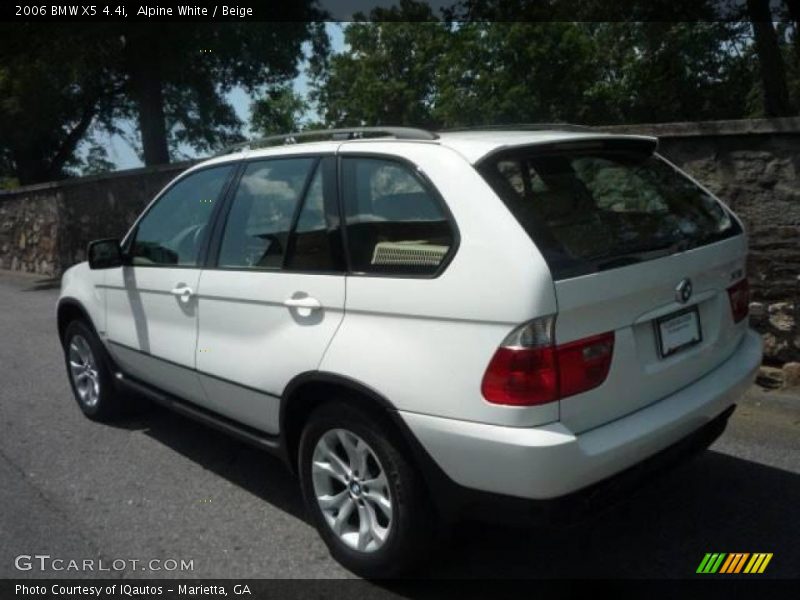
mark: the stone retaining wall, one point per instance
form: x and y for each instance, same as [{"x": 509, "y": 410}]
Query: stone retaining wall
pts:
[{"x": 44, "y": 228}]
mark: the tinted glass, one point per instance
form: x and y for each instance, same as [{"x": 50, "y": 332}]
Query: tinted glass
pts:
[
  {"x": 395, "y": 225},
  {"x": 257, "y": 229},
  {"x": 590, "y": 211},
  {"x": 174, "y": 229},
  {"x": 310, "y": 245}
]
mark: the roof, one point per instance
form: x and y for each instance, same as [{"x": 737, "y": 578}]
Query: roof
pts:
[{"x": 473, "y": 145}]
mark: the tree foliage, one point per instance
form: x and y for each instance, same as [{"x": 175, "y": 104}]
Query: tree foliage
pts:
[
  {"x": 280, "y": 110},
  {"x": 477, "y": 62},
  {"x": 493, "y": 69},
  {"x": 52, "y": 91},
  {"x": 194, "y": 65},
  {"x": 59, "y": 83}
]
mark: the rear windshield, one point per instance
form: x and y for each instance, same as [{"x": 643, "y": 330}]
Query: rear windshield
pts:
[{"x": 592, "y": 210}]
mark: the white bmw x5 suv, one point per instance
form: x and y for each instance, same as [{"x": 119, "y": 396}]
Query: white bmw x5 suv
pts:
[{"x": 419, "y": 322}]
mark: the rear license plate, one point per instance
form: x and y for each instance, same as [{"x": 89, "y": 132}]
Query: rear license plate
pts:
[{"x": 678, "y": 331}]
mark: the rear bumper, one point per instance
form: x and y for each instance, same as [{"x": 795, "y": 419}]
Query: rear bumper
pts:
[{"x": 550, "y": 461}]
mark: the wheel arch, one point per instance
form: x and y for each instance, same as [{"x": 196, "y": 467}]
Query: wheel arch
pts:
[
  {"x": 69, "y": 309},
  {"x": 310, "y": 389}
]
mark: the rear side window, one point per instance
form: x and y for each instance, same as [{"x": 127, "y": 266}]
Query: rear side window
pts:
[
  {"x": 592, "y": 210},
  {"x": 395, "y": 224}
]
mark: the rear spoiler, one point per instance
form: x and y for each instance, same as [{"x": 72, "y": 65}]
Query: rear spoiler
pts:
[{"x": 591, "y": 141}]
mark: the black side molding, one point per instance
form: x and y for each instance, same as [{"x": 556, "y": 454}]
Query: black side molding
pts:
[{"x": 249, "y": 435}]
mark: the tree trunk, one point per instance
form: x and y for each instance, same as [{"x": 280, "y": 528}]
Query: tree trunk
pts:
[
  {"x": 147, "y": 93},
  {"x": 29, "y": 167},
  {"x": 773, "y": 73},
  {"x": 794, "y": 15},
  {"x": 70, "y": 144},
  {"x": 794, "y": 11}
]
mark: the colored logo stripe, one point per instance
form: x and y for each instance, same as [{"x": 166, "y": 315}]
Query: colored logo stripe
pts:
[
  {"x": 758, "y": 563},
  {"x": 721, "y": 562},
  {"x": 728, "y": 562},
  {"x": 735, "y": 562},
  {"x": 711, "y": 563}
]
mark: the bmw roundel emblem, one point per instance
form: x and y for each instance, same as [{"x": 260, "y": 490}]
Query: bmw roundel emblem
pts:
[{"x": 683, "y": 291}]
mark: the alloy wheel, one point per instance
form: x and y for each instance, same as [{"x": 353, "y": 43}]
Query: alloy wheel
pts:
[
  {"x": 351, "y": 489},
  {"x": 83, "y": 371}
]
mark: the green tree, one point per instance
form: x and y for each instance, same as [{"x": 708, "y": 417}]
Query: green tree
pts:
[
  {"x": 59, "y": 83},
  {"x": 52, "y": 91},
  {"x": 443, "y": 74},
  {"x": 388, "y": 74},
  {"x": 772, "y": 69},
  {"x": 677, "y": 71},
  {"x": 520, "y": 72},
  {"x": 96, "y": 161},
  {"x": 178, "y": 75},
  {"x": 281, "y": 110}
]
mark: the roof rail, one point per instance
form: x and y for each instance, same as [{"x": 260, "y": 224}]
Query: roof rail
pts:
[
  {"x": 348, "y": 133},
  {"x": 523, "y": 127}
]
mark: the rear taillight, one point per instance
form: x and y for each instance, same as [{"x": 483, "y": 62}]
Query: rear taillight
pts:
[
  {"x": 739, "y": 295},
  {"x": 583, "y": 365},
  {"x": 529, "y": 369}
]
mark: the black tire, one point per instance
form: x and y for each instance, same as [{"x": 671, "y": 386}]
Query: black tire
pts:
[
  {"x": 413, "y": 527},
  {"x": 109, "y": 403}
]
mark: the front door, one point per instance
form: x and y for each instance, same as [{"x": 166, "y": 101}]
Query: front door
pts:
[{"x": 151, "y": 303}]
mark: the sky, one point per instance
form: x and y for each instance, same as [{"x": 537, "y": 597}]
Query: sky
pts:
[{"x": 124, "y": 157}]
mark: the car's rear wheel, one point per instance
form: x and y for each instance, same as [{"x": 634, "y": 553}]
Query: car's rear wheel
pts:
[
  {"x": 90, "y": 374},
  {"x": 365, "y": 497}
]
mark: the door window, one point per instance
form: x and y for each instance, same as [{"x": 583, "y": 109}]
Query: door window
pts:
[
  {"x": 174, "y": 229},
  {"x": 310, "y": 247},
  {"x": 260, "y": 220}
]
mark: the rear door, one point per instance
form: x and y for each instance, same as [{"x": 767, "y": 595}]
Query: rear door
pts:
[
  {"x": 636, "y": 248},
  {"x": 274, "y": 297}
]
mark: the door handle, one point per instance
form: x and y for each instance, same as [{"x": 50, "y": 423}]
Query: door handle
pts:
[
  {"x": 305, "y": 306},
  {"x": 184, "y": 293}
]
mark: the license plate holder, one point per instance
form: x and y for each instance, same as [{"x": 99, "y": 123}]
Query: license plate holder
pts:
[{"x": 678, "y": 331}]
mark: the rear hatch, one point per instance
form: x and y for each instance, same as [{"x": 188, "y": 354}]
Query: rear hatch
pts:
[{"x": 635, "y": 248}]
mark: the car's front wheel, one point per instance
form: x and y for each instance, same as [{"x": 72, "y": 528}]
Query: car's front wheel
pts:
[
  {"x": 364, "y": 495},
  {"x": 90, "y": 374}
]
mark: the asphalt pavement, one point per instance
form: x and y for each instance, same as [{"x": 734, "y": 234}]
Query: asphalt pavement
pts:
[{"x": 162, "y": 487}]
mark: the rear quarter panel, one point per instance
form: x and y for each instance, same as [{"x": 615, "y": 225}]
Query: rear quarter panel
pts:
[{"x": 424, "y": 343}]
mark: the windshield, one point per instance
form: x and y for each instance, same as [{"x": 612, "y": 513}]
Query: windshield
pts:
[{"x": 591, "y": 210}]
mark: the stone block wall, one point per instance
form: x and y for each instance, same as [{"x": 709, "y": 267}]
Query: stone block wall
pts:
[
  {"x": 45, "y": 228},
  {"x": 29, "y": 227}
]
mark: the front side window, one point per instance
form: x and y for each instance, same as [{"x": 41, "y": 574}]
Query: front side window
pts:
[
  {"x": 174, "y": 229},
  {"x": 395, "y": 224},
  {"x": 592, "y": 210},
  {"x": 260, "y": 220}
]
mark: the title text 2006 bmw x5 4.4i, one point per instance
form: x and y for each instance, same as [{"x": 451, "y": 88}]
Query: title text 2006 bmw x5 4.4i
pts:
[{"x": 408, "y": 317}]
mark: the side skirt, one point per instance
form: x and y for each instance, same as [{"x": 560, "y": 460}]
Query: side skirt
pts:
[{"x": 249, "y": 435}]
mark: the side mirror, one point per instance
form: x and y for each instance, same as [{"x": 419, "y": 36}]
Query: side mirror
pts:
[{"x": 104, "y": 254}]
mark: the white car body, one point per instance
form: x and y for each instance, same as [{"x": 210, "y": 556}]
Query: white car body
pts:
[{"x": 423, "y": 343}]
